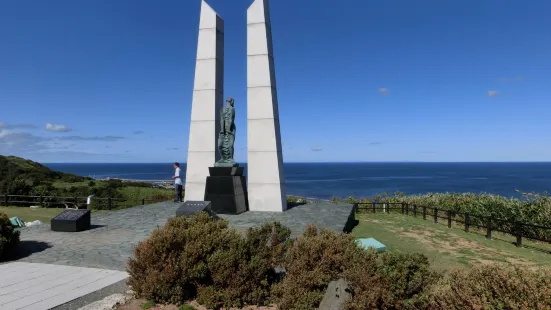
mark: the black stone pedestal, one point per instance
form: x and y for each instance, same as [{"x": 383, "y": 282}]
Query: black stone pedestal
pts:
[
  {"x": 226, "y": 189},
  {"x": 71, "y": 221}
]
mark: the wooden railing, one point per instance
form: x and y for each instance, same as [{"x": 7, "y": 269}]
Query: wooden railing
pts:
[
  {"x": 467, "y": 220},
  {"x": 72, "y": 202}
]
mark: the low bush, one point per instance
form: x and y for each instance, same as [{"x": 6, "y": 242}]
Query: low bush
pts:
[
  {"x": 493, "y": 287},
  {"x": 316, "y": 258},
  {"x": 393, "y": 281},
  {"x": 198, "y": 257},
  {"x": 9, "y": 237}
]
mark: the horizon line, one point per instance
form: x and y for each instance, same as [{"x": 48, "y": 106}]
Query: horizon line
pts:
[{"x": 329, "y": 162}]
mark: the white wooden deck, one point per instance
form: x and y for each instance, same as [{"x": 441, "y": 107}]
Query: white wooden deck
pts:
[{"x": 43, "y": 286}]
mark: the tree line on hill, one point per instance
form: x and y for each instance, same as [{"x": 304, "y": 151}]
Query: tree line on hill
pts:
[{"x": 25, "y": 177}]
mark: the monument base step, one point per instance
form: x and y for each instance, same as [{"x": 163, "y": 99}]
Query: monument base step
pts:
[{"x": 226, "y": 189}]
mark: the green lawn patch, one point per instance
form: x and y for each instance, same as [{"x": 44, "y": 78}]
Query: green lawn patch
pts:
[
  {"x": 448, "y": 247},
  {"x": 44, "y": 215}
]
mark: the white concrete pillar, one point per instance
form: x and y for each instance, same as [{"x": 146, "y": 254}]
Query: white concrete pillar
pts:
[
  {"x": 266, "y": 180},
  {"x": 207, "y": 101}
]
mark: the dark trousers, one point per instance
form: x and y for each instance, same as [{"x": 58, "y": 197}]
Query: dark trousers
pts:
[{"x": 178, "y": 192}]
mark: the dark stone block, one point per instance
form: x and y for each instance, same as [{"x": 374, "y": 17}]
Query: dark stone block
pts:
[
  {"x": 226, "y": 189},
  {"x": 71, "y": 221},
  {"x": 225, "y": 171},
  {"x": 192, "y": 207}
]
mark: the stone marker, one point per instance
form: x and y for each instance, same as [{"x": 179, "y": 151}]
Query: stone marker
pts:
[
  {"x": 367, "y": 243},
  {"x": 71, "y": 221},
  {"x": 191, "y": 207},
  {"x": 336, "y": 296},
  {"x": 207, "y": 101},
  {"x": 264, "y": 159}
]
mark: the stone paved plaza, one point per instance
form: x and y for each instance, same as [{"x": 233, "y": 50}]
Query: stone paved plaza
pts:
[{"x": 114, "y": 235}]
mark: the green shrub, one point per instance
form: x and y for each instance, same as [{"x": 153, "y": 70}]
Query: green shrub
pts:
[
  {"x": 9, "y": 237},
  {"x": 198, "y": 257},
  {"x": 315, "y": 259},
  {"x": 493, "y": 287},
  {"x": 395, "y": 281}
]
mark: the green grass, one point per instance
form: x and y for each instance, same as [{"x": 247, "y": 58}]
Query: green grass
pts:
[
  {"x": 448, "y": 247},
  {"x": 44, "y": 215},
  {"x": 148, "y": 305},
  {"x": 139, "y": 193},
  {"x": 67, "y": 185}
]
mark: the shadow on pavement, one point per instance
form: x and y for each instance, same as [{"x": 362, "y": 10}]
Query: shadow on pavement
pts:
[{"x": 28, "y": 247}]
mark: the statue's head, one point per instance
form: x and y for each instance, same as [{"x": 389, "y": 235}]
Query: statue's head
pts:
[{"x": 230, "y": 101}]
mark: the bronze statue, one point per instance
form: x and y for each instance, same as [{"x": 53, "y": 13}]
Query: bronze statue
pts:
[{"x": 226, "y": 137}]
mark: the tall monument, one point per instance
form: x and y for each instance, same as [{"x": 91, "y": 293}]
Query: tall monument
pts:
[
  {"x": 207, "y": 102},
  {"x": 266, "y": 180}
]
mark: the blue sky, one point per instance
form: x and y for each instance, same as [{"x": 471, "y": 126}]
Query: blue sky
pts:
[{"x": 357, "y": 80}]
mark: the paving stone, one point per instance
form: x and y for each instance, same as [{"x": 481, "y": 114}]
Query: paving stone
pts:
[{"x": 110, "y": 245}]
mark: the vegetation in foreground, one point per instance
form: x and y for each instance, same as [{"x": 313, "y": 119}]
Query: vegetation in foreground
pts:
[
  {"x": 199, "y": 258},
  {"x": 9, "y": 237},
  {"x": 28, "y": 178}
]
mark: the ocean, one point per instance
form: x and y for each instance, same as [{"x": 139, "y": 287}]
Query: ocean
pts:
[{"x": 327, "y": 180}]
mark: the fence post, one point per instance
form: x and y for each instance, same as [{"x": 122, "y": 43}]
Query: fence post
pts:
[
  {"x": 6, "y": 199},
  {"x": 143, "y": 203},
  {"x": 424, "y": 212},
  {"x": 76, "y": 202},
  {"x": 435, "y": 215},
  {"x": 373, "y": 207},
  {"x": 109, "y": 203},
  {"x": 415, "y": 210},
  {"x": 518, "y": 228},
  {"x": 407, "y": 208},
  {"x": 467, "y": 222},
  {"x": 449, "y": 219},
  {"x": 489, "y": 229},
  {"x": 402, "y": 208},
  {"x": 41, "y": 201}
]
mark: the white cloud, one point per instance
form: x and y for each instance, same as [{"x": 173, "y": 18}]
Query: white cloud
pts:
[
  {"x": 14, "y": 142},
  {"x": 384, "y": 91},
  {"x": 57, "y": 127},
  {"x": 492, "y": 93},
  {"x": 15, "y": 126}
]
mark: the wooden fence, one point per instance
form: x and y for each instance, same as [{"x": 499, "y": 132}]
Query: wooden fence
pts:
[
  {"x": 72, "y": 202},
  {"x": 489, "y": 224}
]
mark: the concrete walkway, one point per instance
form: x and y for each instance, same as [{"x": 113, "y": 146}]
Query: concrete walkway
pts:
[
  {"x": 31, "y": 286},
  {"x": 108, "y": 245}
]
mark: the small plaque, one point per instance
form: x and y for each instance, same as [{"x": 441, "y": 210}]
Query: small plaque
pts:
[
  {"x": 191, "y": 207},
  {"x": 367, "y": 243},
  {"x": 71, "y": 221},
  {"x": 71, "y": 215}
]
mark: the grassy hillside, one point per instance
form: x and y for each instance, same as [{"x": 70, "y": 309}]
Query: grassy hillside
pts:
[
  {"x": 20, "y": 176},
  {"x": 25, "y": 177}
]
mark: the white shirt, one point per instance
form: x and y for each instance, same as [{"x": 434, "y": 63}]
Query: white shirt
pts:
[{"x": 177, "y": 180}]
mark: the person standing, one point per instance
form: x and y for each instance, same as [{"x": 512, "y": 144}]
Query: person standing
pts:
[{"x": 177, "y": 183}]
